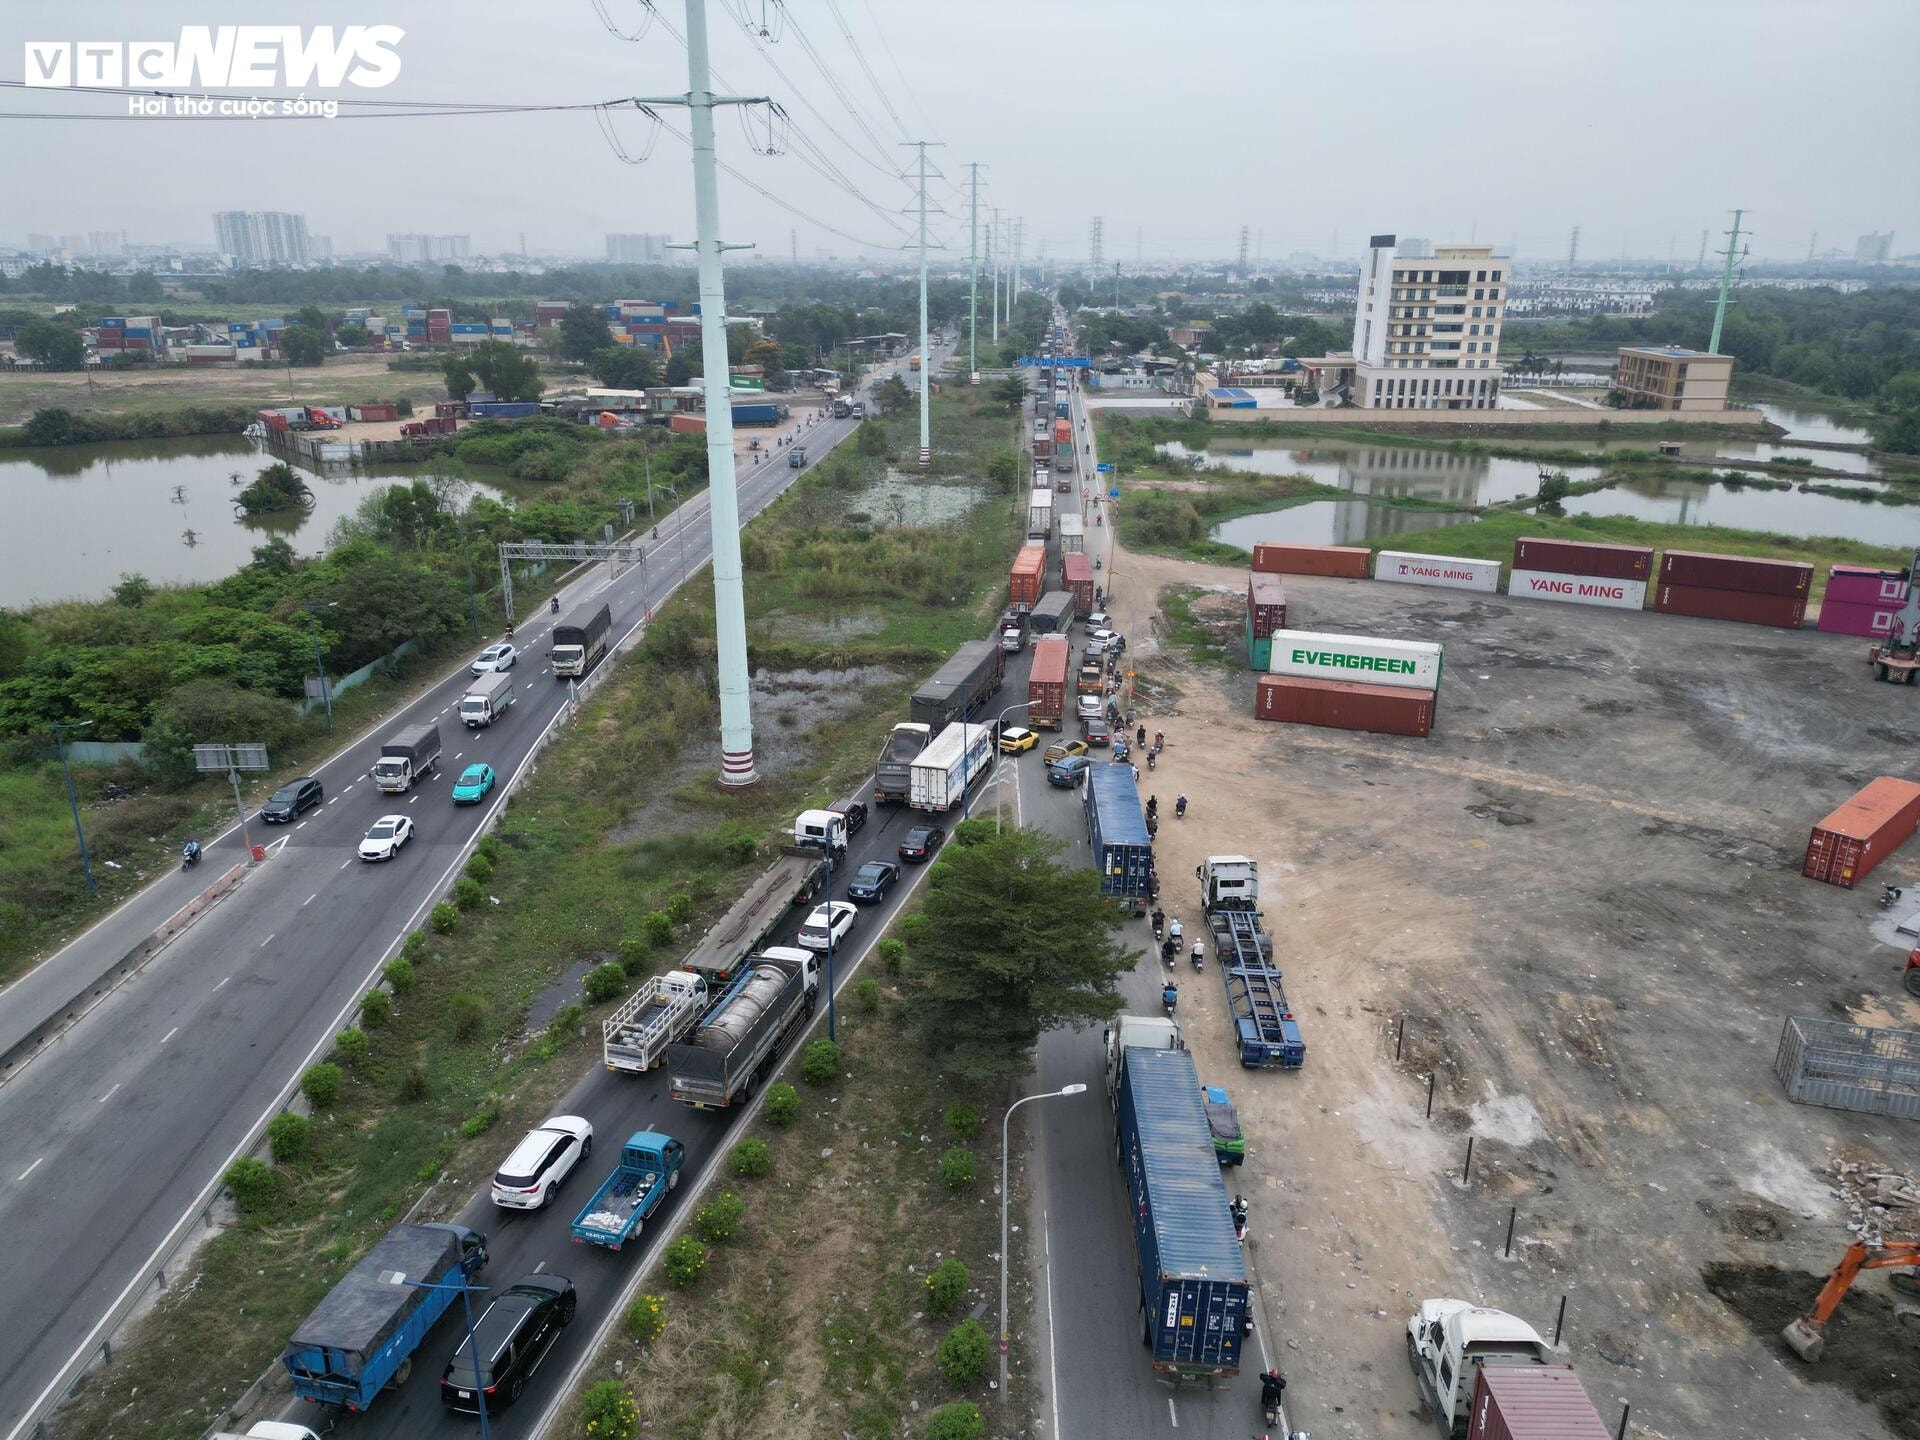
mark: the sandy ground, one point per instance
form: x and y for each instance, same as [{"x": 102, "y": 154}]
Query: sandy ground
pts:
[{"x": 1582, "y": 895}]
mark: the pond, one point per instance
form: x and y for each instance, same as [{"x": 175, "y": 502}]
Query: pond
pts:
[
  {"x": 79, "y": 517},
  {"x": 1732, "y": 451},
  {"x": 1385, "y": 470},
  {"x": 1805, "y": 420},
  {"x": 1781, "y": 512},
  {"x": 1332, "y": 522}
]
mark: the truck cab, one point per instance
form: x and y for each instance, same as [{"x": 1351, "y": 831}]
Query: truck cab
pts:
[
  {"x": 1229, "y": 882},
  {"x": 824, "y": 830},
  {"x": 1137, "y": 1032},
  {"x": 1447, "y": 1343}
]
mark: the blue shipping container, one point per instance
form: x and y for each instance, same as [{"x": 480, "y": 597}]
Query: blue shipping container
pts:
[
  {"x": 759, "y": 414},
  {"x": 1193, "y": 1274},
  {"x": 1117, "y": 830},
  {"x": 501, "y": 409}
]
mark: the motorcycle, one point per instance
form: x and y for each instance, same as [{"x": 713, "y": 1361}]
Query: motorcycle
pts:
[
  {"x": 553, "y": 605},
  {"x": 1271, "y": 1388},
  {"x": 1199, "y": 955},
  {"x": 1153, "y": 802},
  {"x": 1890, "y": 896},
  {"x": 1096, "y": 562},
  {"x": 1168, "y": 949},
  {"x": 1180, "y": 808},
  {"x": 1140, "y": 736},
  {"x": 1170, "y": 997},
  {"x": 189, "y": 854},
  {"x": 1153, "y": 759},
  {"x": 1174, "y": 932},
  {"x": 1238, "y": 1209}
]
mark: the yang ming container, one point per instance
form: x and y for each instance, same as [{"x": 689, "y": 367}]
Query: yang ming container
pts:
[
  {"x": 1583, "y": 557},
  {"x": 1861, "y": 833},
  {"x": 1744, "y": 606},
  {"x": 1343, "y": 705},
  {"x": 1449, "y": 572},
  {"x": 1570, "y": 589},
  {"x": 1345, "y": 561},
  {"x": 1749, "y": 574},
  {"x": 1405, "y": 664}
]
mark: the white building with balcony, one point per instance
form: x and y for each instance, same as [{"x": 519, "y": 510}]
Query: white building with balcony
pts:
[{"x": 1426, "y": 326}]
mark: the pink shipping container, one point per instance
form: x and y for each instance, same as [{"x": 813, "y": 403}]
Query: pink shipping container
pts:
[
  {"x": 1846, "y": 845},
  {"x": 1266, "y": 604},
  {"x": 1784, "y": 611},
  {"x": 1532, "y": 1402},
  {"x": 1859, "y": 585},
  {"x": 1839, "y": 618},
  {"x": 1735, "y": 572},
  {"x": 1583, "y": 557},
  {"x": 1343, "y": 705}
]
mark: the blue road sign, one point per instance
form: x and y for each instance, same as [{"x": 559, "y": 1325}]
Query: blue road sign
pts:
[
  {"x": 1055, "y": 362},
  {"x": 1104, "y": 468},
  {"x": 1113, "y": 493}
]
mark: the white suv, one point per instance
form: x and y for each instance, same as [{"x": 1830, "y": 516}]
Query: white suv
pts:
[
  {"x": 528, "y": 1177},
  {"x": 1090, "y": 707}
]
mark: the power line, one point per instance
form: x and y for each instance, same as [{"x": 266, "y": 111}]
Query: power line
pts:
[
  {"x": 880, "y": 30},
  {"x": 866, "y": 69}
]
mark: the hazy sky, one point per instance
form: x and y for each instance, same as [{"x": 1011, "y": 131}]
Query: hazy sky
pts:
[{"x": 1312, "y": 124}]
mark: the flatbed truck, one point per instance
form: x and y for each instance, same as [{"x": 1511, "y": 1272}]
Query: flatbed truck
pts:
[
  {"x": 634, "y": 1038},
  {"x": 649, "y": 1169},
  {"x": 797, "y": 877}
]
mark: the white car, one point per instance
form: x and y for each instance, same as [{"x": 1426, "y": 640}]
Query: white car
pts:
[
  {"x": 528, "y": 1177},
  {"x": 1099, "y": 642},
  {"x": 835, "y": 919},
  {"x": 384, "y": 840},
  {"x": 1096, "y": 622},
  {"x": 495, "y": 657},
  {"x": 1090, "y": 707}
]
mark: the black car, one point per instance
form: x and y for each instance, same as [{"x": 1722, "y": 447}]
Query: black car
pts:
[
  {"x": 291, "y": 799},
  {"x": 872, "y": 880},
  {"x": 856, "y": 814},
  {"x": 921, "y": 841},
  {"x": 513, "y": 1337}
]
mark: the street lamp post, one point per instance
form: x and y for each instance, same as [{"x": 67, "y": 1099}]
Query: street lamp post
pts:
[
  {"x": 1004, "y": 1181},
  {"x": 1017, "y": 705},
  {"x": 313, "y": 608},
  {"x": 73, "y": 802},
  {"x": 831, "y": 1018},
  {"x": 467, "y": 1292}
]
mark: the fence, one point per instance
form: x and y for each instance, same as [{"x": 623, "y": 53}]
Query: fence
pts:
[
  {"x": 102, "y": 752},
  {"x": 1850, "y": 1067},
  {"x": 363, "y": 674}
]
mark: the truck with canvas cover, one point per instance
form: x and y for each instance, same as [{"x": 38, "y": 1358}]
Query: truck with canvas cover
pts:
[
  {"x": 961, "y": 688},
  {"x": 796, "y": 878},
  {"x": 580, "y": 639},
  {"x": 411, "y": 754},
  {"x": 891, "y": 770}
]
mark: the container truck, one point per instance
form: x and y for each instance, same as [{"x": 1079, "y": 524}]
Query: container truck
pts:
[
  {"x": 1047, "y": 683},
  {"x": 1039, "y": 515},
  {"x": 1072, "y": 529},
  {"x": 580, "y": 639},
  {"x": 961, "y": 688},
  {"x": 1077, "y": 567},
  {"x": 738, "y": 1042},
  {"x": 648, "y": 1171},
  {"x": 1136, "y": 1032},
  {"x": 1193, "y": 1275},
  {"x": 1450, "y": 1343},
  {"x": 1266, "y": 1035},
  {"x": 1053, "y": 613},
  {"x": 943, "y": 772},
  {"x": 487, "y": 699},
  {"x": 822, "y": 831},
  {"x": 361, "y": 1337},
  {"x": 1117, "y": 830},
  {"x": 1028, "y": 578},
  {"x": 634, "y": 1038},
  {"x": 797, "y": 877},
  {"x": 410, "y": 755},
  {"x": 903, "y": 742},
  {"x": 1532, "y": 1402},
  {"x": 759, "y": 413}
]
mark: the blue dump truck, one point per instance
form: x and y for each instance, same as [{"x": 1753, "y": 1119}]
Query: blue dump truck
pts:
[
  {"x": 1117, "y": 830},
  {"x": 1193, "y": 1275},
  {"x": 1264, "y": 1030},
  {"x": 362, "y": 1336},
  {"x": 649, "y": 1168}
]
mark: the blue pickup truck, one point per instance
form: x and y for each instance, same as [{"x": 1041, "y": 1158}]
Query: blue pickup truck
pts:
[
  {"x": 362, "y": 1336},
  {"x": 649, "y": 1167}
]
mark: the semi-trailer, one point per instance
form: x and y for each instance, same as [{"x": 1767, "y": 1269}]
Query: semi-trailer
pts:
[{"x": 737, "y": 1044}]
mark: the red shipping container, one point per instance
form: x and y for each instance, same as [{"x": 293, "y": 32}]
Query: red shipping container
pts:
[
  {"x": 1063, "y": 432},
  {"x": 1077, "y": 569},
  {"x": 685, "y": 423},
  {"x": 1343, "y": 705},
  {"x": 1735, "y": 572},
  {"x": 1266, "y": 604},
  {"x": 1862, "y": 585},
  {"x": 1047, "y": 683},
  {"x": 1785, "y": 611},
  {"x": 1532, "y": 1402},
  {"x": 1873, "y": 621},
  {"x": 1029, "y": 575},
  {"x": 1583, "y": 557},
  {"x": 1846, "y": 845},
  {"x": 1345, "y": 561}
]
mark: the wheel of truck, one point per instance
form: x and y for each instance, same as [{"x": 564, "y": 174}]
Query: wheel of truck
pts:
[
  {"x": 1413, "y": 1356},
  {"x": 1911, "y": 674},
  {"x": 400, "y": 1375},
  {"x": 673, "y": 1180},
  {"x": 1912, "y": 981},
  {"x": 1880, "y": 672}
]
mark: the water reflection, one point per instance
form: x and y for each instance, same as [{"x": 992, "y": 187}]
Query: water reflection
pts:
[
  {"x": 1386, "y": 470},
  {"x": 1781, "y": 512},
  {"x": 1813, "y": 422},
  {"x": 1332, "y": 522}
]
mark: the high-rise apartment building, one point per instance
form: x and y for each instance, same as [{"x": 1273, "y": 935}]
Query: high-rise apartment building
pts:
[
  {"x": 1873, "y": 249},
  {"x": 258, "y": 239},
  {"x": 106, "y": 242},
  {"x": 410, "y": 249},
  {"x": 41, "y": 243},
  {"x": 637, "y": 249},
  {"x": 1426, "y": 326}
]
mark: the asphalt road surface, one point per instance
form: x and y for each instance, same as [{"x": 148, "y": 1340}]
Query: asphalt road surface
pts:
[{"x": 114, "y": 1134}]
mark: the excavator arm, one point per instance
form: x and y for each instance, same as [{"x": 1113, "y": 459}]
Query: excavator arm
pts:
[{"x": 1803, "y": 1336}]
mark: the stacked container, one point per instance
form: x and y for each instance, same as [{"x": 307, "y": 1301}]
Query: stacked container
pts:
[
  {"x": 1449, "y": 572},
  {"x": 1029, "y": 575},
  {"x": 1266, "y": 613},
  {"x": 1581, "y": 572},
  {"x": 1750, "y": 590},
  {"x": 1077, "y": 569},
  {"x": 1862, "y": 601},
  {"x": 1861, "y": 833},
  {"x": 1350, "y": 682},
  {"x": 1347, "y": 561}
]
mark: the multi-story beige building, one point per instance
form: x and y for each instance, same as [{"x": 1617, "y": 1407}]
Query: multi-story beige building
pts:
[
  {"x": 1666, "y": 377},
  {"x": 1426, "y": 327}
]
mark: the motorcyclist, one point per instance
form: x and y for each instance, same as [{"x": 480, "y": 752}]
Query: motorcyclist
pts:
[
  {"x": 1272, "y": 1387},
  {"x": 1173, "y": 930},
  {"x": 1159, "y": 918},
  {"x": 1180, "y": 807},
  {"x": 1153, "y": 805},
  {"x": 190, "y": 853},
  {"x": 553, "y": 604},
  {"x": 1140, "y": 737},
  {"x": 1170, "y": 995}
]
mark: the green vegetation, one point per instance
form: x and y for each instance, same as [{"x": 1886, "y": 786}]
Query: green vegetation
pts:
[
  {"x": 57, "y": 425},
  {"x": 956, "y": 1168},
  {"x": 965, "y": 1353},
  {"x": 279, "y": 487},
  {"x": 782, "y": 1105},
  {"x": 685, "y": 1261},
  {"x": 820, "y": 1063},
  {"x": 752, "y": 1158}
]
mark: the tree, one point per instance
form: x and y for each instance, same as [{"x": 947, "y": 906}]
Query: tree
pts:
[
  {"x": 1009, "y": 943},
  {"x": 583, "y": 330},
  {"x": 279, "y": 487},
  {"x": 133, "y": 590},
  {"x": 145, "y": 288},
  {"x": 871, "y": 438},
  {"x": 623, "y": 367},
  {"x": 384, "y": 601},
  {"x": 683, "y": 365},
  {"x": 891, "y": 394},
  {"x": 306, "y": 344},
  {"x": 1011, "y": 392},
  {"x": 1897, "y": 427},
  {"x": 460, "y": 381},
  {"x": 209, "y": 711},
  {"x": 770, "y": 357},
  {"x": 351, "y": 335},
  {"x": 505, "y": 369},
  {"x": 311, "y": 316},
  {"x": 53, "y": 345}
]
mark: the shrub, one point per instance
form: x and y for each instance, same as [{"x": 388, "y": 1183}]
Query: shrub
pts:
[
  {"x": 287, "y": 1136},
  {"x": 253, "y": 1183},
  {"x": 352, "y": 1045},
  {"x": 961, "y": 1420},
  {"x": 680, "y": 908},
  {"x": 376, "y": 1009},
  {"x": 893, "y": 954},
  {"x": 633, "y": 955},
  {"x": 479, "y": 867},
  {"x": 468, "y": 1012},
  {"x": 414, "y": 947},
  {"x": 686, "y": 1261},
  {"x": 321, "y": 1084},
  {"x": 820, "y": 1062},
  {"x": 399, "y": 974},
  {"x": 657, "y": 927},
  {"x": 567, "y": 1021},
  {"x": 963, "y": 1355},
  {"x": 646, "y": 1318},
  {"x": 741, "y": 848},
  {"x": 752, "y": 1159},
  {"x": 719, "y": 1219},
  {"x": 869, "y": 993},
  {"x": 963, "y": 1120},
  {"x": 956, "y": 1168},
  {"x": 603, "y": 983},
  {"x": 482, "y": 1119},
  {"x": 443, "y": 917},
  {"x": 783, "y": 1105},
  {"x": 467, "y": 892},
  {"x": 489, "y": 846},
  {"x": 946, "y": 1286},
  {"x": 607, "y": 1412},
  {"x": 413, "y": 1085},
  {"x": 972, "y": 832}
]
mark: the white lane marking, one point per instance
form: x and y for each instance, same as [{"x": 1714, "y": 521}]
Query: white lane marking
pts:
[
  {"x": 345, "y": 791},
  {"x": 334, "y": 801},
  {"x": 302, "y": 825},
  {"x": 1173, "y": 1415},
  {"x": 33, "y": 1167},
  {"x": 541, "y": 1266},
  {"x": 223, "y": 982},
  {"x": 170, "y": 1034},
  {"x": 461, "y": 753},
  {"x": 357, "y": 779},
  {"x": 310, "y": 899},
  {"x": 344, "y": 863},
  {"x": 414, "y": 800},
  {"x": 109, "y": 1095},
  {"x": 266, "y": 942},
  {"x": 1053, "y": 1350}
]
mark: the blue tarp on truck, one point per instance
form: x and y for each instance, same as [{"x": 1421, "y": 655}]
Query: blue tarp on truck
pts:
[
  {"x": 1117, "y": 830},
  {"x": 1193, "y": 1274}
]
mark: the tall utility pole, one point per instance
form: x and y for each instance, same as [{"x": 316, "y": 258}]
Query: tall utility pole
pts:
[
  {"x": 723, "y": 498},
  {"x": 973, "y": 272},
  {"x": 1726, "y": 281},
  {"x": 1813, "y": 240},
  {"x": 926, "y": 356},
  {"x": 1701, "y": 263},
  {"x": 793, "y": 246},
  {"x": 1013, "y": 290},
  {"x": 1573, "y": 248},
  {"x": 993, "y": 265},
  {"x": 1094, "y": 258},
  {"x": 1243, "y": 250}
]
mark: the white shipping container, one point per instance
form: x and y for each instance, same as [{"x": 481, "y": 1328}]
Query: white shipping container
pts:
[
  {"x": 1362, "y": 659},
  {"x": 1451, "y": 572},
  {"x": 1073, "y": 533},
  {"x": 1578, "y": 589},
  {"x": 940, "y": 774}
]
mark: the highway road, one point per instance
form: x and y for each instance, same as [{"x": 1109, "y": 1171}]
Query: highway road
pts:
[{"x": 117, "y": 1131}]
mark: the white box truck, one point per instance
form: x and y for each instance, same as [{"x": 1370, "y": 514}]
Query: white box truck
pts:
[
  {"x": 487, "y": 699},
  {"x": 943, "y": 772}
]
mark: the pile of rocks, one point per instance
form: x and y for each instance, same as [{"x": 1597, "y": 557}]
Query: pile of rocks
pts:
[{"x": 1881, "y": 1204}]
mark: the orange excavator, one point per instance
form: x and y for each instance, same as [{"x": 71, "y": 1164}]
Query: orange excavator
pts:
[{"x": 1803, "y": 1336}]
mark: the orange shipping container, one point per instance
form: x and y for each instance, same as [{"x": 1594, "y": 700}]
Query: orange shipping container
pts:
[
  {"x": 687, "y": 423},
  {"x": 1077, "y": 570},
  {"x": 1047, "y": 683},
  {"x": 1028, "y": 576},
  {"x": 1346, "y": 561},
  {"x": 1861, "y": 833},
  {"x": 1063, "y": 432}
]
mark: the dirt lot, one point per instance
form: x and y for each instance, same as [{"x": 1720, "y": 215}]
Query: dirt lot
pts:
[{"x": 1582, "y": 893}]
